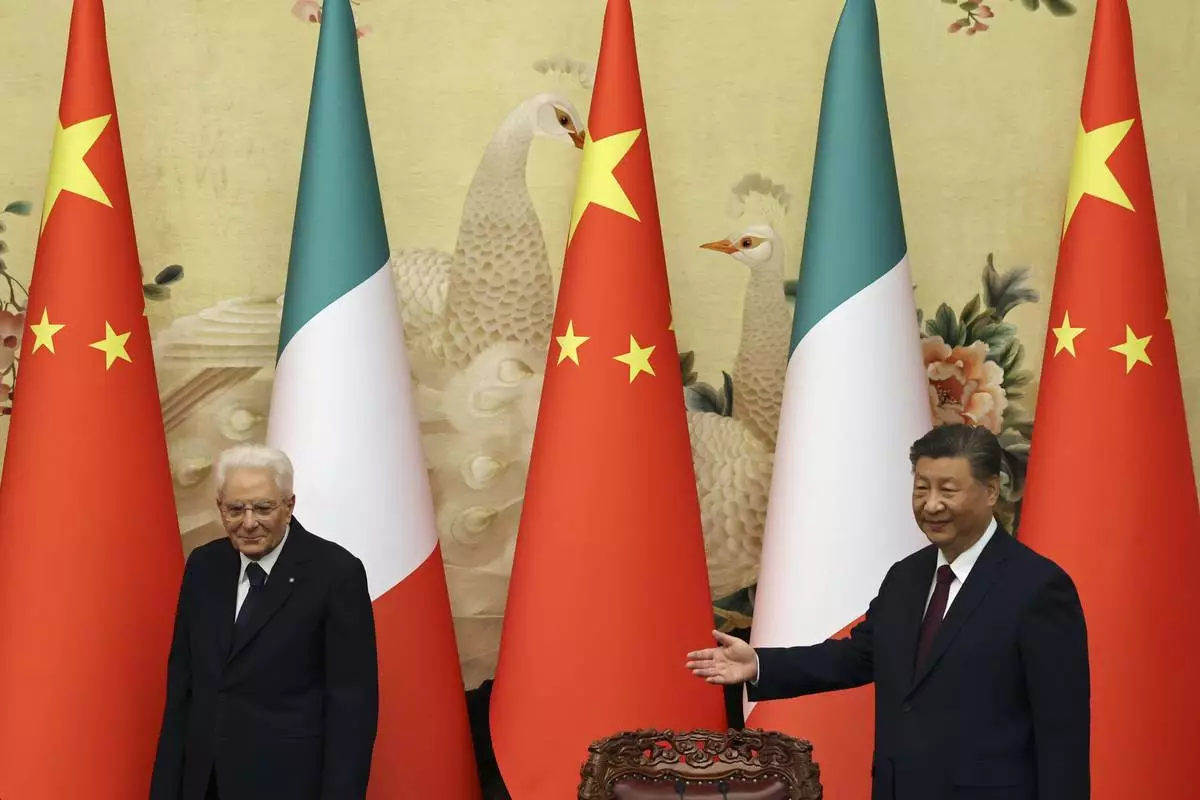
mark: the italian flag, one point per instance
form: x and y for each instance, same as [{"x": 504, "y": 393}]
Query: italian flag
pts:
[
  {"x": 342, "y": 409},
  {"x": 854, "y": 399}
]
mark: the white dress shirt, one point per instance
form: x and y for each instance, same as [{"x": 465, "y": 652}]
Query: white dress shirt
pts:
[
  {"x": 961, "y": 569},
  {"x": 266, "y": 562}
]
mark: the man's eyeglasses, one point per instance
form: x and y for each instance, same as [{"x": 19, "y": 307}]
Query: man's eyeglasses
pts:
[{"x": 261, "y": 511}]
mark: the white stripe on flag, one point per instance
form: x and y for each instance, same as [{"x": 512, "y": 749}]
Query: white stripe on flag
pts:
[
  {"x": 855, "y": 398},
  {"x": 342, "y": 409}
]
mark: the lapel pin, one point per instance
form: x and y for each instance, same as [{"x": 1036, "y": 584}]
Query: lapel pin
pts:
[{"x": 291, "y": 580}]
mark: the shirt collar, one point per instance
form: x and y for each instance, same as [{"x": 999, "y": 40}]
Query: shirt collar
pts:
[
  {"x": 966, "y": 559},
  {"x": 267, "y": 561}
]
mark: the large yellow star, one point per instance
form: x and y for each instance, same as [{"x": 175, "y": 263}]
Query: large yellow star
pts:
[
  {"x": 569, "y": 344},
  {"x": 68, "y": 172},
  {"x": 597, "y": 185},
  {"x": 43, "y": 333},
  {"x": 113, "y": 346},
  {"x": 1133, "y": 348},
  {"x": 638, "y": 359},
  {"x": 1089, "y": 168},
  {"x": 1066, "y": 335}
]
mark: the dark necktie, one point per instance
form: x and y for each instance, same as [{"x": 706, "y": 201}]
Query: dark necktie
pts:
[
  {"x": 258, "y": 578},
  {"x": 935, "y": 613}
]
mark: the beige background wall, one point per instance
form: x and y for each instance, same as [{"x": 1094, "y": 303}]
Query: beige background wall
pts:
[{"x": 212, "y": 98}]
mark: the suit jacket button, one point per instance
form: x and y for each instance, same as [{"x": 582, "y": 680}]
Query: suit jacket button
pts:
[{"x": 907, "y": 707}]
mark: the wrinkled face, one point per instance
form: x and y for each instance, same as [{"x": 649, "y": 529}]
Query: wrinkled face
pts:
[
  {"x": 951, "y": 506},
  {"x": 254, "y": 511}
]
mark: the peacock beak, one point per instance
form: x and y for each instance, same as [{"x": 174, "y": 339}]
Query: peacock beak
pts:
[
  {"x": 723, "y": 246},
  {"x": 577, "y": 138}
]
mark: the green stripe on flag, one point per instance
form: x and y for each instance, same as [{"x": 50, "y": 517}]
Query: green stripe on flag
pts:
[
  {"x": 855, "y": 230},
  {"x": 339, "y": 239}
]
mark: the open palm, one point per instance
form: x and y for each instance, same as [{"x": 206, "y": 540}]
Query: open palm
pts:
[{"x": 732, "y": 661}]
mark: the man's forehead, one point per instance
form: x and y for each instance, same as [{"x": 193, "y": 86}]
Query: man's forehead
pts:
[{"x": 942, "y": 468}]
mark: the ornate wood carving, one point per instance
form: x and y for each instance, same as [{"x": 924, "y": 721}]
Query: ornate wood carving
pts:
[{"x": 700, "y": 757}]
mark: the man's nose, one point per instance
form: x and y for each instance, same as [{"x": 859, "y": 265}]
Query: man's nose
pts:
[
  {"x": 249, "y": 522},
  {"x": 934, "y": 504}
]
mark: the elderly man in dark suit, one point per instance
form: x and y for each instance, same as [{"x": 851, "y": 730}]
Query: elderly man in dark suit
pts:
[
  {"x": 976, "y": 645},
  {"x": 272, "y": 680}
]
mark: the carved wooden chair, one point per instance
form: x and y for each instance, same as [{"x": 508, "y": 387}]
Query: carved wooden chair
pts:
[{"x": 704, "y": 765}]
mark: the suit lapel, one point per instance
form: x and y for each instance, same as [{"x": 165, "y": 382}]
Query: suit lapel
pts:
[
  {"x": 917, "y": 593},
  {"x": 982, "y": 578},
  {"x": 285, "y": 575},
  {"x": 228, "y": 572}
]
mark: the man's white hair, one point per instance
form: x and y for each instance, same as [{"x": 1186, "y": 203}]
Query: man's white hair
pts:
[{"x": 256, "y": 456}]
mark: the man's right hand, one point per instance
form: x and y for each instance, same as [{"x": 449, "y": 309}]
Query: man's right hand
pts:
[{"x": 732, "y": 661}]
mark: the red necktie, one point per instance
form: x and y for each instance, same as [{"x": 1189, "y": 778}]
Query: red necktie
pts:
[{"x": 935, "y": 612}]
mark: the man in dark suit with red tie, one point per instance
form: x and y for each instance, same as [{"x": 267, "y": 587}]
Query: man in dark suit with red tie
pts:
[
  {"x": 272, "y": 680},
  {"x": 976, "y": 645}
]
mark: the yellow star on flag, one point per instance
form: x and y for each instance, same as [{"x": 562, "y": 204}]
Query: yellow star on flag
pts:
[
  {"x": 1133, "y": 348},
  {"x": 113, "y": 346},
  {"x": 43, "y": 333},
  {"x": 569, "y": 344},
  {"x": 68, "y": 172},
  {"x": 638, "y": 359},
  {"x": 1089, "y": 168},
  {"x": 1066, "y": 335},
  {"x": 597, "y": 185}
]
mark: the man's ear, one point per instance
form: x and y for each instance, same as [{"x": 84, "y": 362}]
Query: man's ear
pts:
[{"x": 993, "y": 490}]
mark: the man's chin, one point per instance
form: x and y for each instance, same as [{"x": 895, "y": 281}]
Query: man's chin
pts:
[
  {"x": 938, "y": 536},
  {"x": 251, "y": 548}
]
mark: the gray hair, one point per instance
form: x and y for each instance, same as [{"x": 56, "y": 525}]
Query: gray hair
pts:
[{"x": 256, "y": 456}]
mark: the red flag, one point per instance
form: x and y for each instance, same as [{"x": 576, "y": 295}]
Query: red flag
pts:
[
  {"x": 90, "y": 554},
  {"x": 609, "y": 586},
  {"x": 1110, "y": 494}
]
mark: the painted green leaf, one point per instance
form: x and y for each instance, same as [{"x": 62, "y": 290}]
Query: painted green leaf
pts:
[
  {"x": 996, "y": 334},
  {"x": 1060, "y": 8},
  {"x": 1016, "y": 355},
  {"x": 1017, "y": 378},
  {"x": 945, "y": 324},
  {"x": 969, "y": 5},
  {"x": 970, "y": 310},
  {"x": 21, "y": 208},
  {"x": 169, "y": 274},
  {"x": 1005, "y": 291}
]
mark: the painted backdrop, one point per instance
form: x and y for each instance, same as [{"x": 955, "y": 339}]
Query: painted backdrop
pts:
[{"x": 476, "y": 108}]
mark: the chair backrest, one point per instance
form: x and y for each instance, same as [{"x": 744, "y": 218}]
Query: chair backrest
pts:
[{"x": 704, "y": 765}]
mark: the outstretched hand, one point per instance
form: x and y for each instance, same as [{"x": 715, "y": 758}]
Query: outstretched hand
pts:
[{"x": 732, "y": 661}]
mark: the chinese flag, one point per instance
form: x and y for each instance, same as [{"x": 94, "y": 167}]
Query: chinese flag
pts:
[
  {"x": 609, "y": 585},
  {"x": 90, "y": 555},
  {"x": 1110, "y": 494}
]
